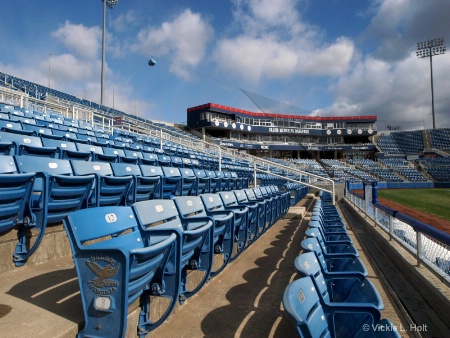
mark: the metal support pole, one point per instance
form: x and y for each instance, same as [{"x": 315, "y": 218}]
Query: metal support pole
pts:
[
  {"x": 432, "y": 92},
  {"x": 102, "y": 89},
  {"x": 419, "y": 247}
]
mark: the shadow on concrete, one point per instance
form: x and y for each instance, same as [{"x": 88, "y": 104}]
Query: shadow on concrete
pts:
[
  {"x": 56, "y": 292},
  {"x": 255, "y": 308}
]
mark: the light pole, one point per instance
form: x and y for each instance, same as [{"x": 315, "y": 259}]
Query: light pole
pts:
[
  {"x": 49, "y": 70},
  {"x": 429, "y": 49},
  {"x": 110, "y": 4}
]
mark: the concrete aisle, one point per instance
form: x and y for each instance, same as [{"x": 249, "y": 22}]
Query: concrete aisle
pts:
[{"x": 245, "y": 299}]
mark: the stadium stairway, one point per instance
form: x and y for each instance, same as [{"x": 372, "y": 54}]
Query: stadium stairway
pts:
[{"x": 42, "y": 299}]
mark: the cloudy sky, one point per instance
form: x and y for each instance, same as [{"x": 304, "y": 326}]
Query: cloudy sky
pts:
[{"x": 317, "y": 57}]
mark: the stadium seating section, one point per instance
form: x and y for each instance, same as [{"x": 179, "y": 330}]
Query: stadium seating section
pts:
[{"x": 332, "y": 297}]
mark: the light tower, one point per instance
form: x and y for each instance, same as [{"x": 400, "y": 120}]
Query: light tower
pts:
[
  {"x": 110, "y": 4},
  {"x": 429, "y": 49}
]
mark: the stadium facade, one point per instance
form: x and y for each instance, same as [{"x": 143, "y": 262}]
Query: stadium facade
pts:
[{"x": 284, "y": 135}]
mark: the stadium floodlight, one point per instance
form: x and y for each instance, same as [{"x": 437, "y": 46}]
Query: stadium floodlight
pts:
[
  {"x": 110, "y": 4},
  {"x": 428, "y": 49}
]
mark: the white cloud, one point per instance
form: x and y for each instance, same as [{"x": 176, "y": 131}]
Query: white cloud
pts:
[
  {"x": 123, "y": 22},
  {"x": 84, "y": 41},
  {"x": 397, "y": 25},
  {"x": 257, "y": 16},
  {"x": 255, "y": 58},
  {"x": 183, "y": 41},
  {"x": 329, "y": 60},
  {"x": 396, "y": 92},
  {"x": 274, "y": 43}
]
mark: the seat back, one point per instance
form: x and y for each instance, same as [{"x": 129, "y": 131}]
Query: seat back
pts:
[
  {"x": 213, "y": 203},
  {"x": 15, "y": 195},
  {"x": 164, "y": 160},
  {"x": 301, "y": 302},
  {"x": 171, "y": 182},
  {"x": 60, "y": 144},
  {"x": 214, "y": 181},
  {"x": 203, "y": 181},
  {"x": 197, "y": 237},
  {"x": 176, "y": 161},
  {"x": 188, "y": 182},
  {"x": 149, "y": 159},
  {"x": 108, "y": 190},
  {"x": 308, "y": 265},
  {"x": 56, "y": 193},
  {"x": 28, "y": 145}
]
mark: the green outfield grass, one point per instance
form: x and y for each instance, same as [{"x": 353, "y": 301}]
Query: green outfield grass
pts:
[{"x": 432, "y": 201}]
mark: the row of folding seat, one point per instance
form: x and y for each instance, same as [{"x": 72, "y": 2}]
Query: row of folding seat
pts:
[
  {"x": 150, "y": 248},
  {"x": 333, "y": 297},
  {"x": 18, "y": 144},
  {"x": 36, "y": 191}
]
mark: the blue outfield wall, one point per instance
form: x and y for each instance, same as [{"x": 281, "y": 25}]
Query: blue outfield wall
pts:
[{"x": 402, "y": 185}]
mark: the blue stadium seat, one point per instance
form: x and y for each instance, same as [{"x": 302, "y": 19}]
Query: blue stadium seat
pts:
[
  {"x": 203, "y": 182},
  {"x": 133, "y": 154},
  {"x": 256, "y": 214},
  {"x": 96, "y": 153},
  {"x": 338, "y": 229},
  {"x": 264, "y": 209},
  {"x": 28, "y": 145},
  {"x": 14, "y": 127},
  {"x": 188, "y": 182},
  {"x": 108, "y": 190},
  {"x": 176, "y": 161},
  {"x": 143, "y": 188},
  {"x": 149, "y": 159},
  {"x": 224, "y": 180},
  {"x": 164, "y": 161},
  {"x": 275, "y": 203},
  {"x": 214, "y": 181},
  {"x": 171, "y": 182},
  {"x": 348, "y": 290},
  {"x": 340, "y": 264},
  {"x": 55, "y": 194},
  {"x": 337, "y": 238},
  {"x": 192, "y": 207},
  {"x": 334, "y": 250},
  {"x": 187, "y": 163},
  {"x": 313, "y": 319},
  {"x": 213, "y": 202},
  {"x": 197, "y": 239},
  {"x": 116, "y": 266},
  {"x": 15, "y": 195}
]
